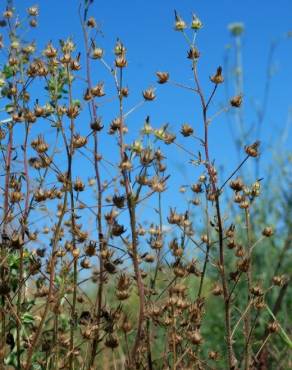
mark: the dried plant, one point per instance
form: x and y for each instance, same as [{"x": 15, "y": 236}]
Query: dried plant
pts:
[{"x": 98, "y": 268}]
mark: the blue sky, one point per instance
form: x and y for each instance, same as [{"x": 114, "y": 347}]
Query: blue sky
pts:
[{"x": 146, "y": 29}]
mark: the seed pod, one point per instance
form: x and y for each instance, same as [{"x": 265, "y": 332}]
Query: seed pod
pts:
[
  {"x": 179, "y": 24},
  {"x": 122, "y": 294},
  {"x": 195, "y": 337},
  {"x": 236, "y": 101},
  {"x": 257, "y": 291},
  {"x": 273, "y": 327},
  {"x": 278, "y": 280},
  {"x": 126, "y": 325},
  {"x": 119, "y": 200},
  {"x": 98, "y": 90},
  {"x": 91, "y": 22},
  {"x": 78, "y": 185},
  {"x": 16, "y": 196},
  {"x": 149, "y": 94},
  {"x": 217, "y": 290},
  {"x": 186, "y": 130},
  {"x": 111, "y": 341},
  {"x": 213, "y": 355},
  {"x": 268, "y": 231},
  {"x": 4, "y": 288},
  {"x": 79, "y": 141},
  {"x": 75, "y": 253},
  {"x": 217, "y": 78},
  {"x": 237, "y": 184},
  {"x": 162, "y": 77},
  {"x": 73, "y": 111},
  {"x": 253, "y": 149},
  {"x": 193, "y": 53},
  {"x": 85, "y": 263},
  {"x": 121, "y": 61},
  {"x": 97, "y": 53},
  {"x": 196, "y": 23},
  {"x": 90, "y": 249}
]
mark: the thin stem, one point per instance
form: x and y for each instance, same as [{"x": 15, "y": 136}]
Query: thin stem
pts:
[{"x": 247, "y": 357}]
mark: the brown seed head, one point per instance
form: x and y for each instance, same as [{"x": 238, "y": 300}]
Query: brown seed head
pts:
[
  {"x": 97, "y": 53},
  {"x": 253, "y": 149},
  {"x": 186, "y": 130},
  {"x": 149, "y": 94},
  {"x": 179, "y": 24},
  {"x": 163, "y": 77},
  {"x": 217, "y": 78},
  {"x": 121, "y": 61},
  {"x": 213, "y": 355},
  {"x": 237, "y": 184},
  {"x": 193, "y": 53},
  {"x": 268, "y": 231},
  {"x": 91, "y": 22},
  {"x": 236, "y": 101},
  {"x": 278, "y": 280},
  {"x": 273, "y": 327},
  {"x": 33, "y": 11}
]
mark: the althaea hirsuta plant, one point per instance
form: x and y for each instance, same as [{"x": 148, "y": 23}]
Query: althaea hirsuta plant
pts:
[{"x": 89, "y": 278}]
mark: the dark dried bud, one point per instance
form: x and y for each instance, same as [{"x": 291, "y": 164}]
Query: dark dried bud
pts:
[
  {"x": 268, "y": 231},
  {"x": 186, "y": 130},
  {"x": 197, "y": 188},
  {"x": 8, "y": 13},
  {"x": 217, "y": 78},
  {"x": 87, "y": 95},
  {"x": 85, "y": 318},
  {"x": 121, "y": 61},
  {"x": 193, "y": 53},
  {"x": 91, "y": 22},
  {"x": 98, "y": 90},
  {"x": 90, "y": 249},
  {"x": 163, "y": 77},
  {"x": 119, "y": 201},
  {"x": 4, "y": 288},
  {"x": 244, "y": 204},
  {"x": 149, "y": 94},
  {"x": 213, "y": 355},
  {"x": 117, "y": 229},
  {"x": 231, "y": 244},
  {"x": 126, "y": 325},
  {"x": 110, "y": 267},
  {"x": 85, "y": 263},
  {"x": 96, "y": 125},
  {"x": 179, "y": 24},
  {"x": 168, "y": 138},
  {"x": 237, "y": 184},
  {"x": 236, "y": 101},
  {"x": 256, "y": 291},
  {"x": 273, "y": 327},
  {"x": 111, "y": 341},
  {"x": 16, "y": 240},
  {"x": 243, "y": 265},
  {"x": 278, "y": 280},
  {"x": 252, "y": 150},
  {"x": 217, "y": 290},
  {"x": 259, "y": 303},
  {"x": 195, "y": 337},
  {"x": 125, "y": 92},
  {"x": 79, "y": 141},
  {"x": 73, "y": 111},
  {"x": 78, "y": 185}
]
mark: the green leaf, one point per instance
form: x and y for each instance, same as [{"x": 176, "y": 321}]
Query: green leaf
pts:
[
  {"x": 27, "y": 319},
  {"x": 8, "y": 71}
]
